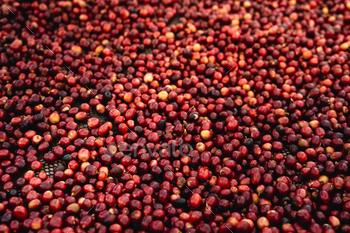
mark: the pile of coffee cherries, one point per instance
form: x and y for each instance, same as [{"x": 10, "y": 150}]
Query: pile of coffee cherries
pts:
[{"x": 194, "y": 116}]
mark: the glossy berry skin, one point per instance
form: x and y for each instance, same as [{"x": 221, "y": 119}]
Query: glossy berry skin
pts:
[{"x": 195, "y": 201}]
